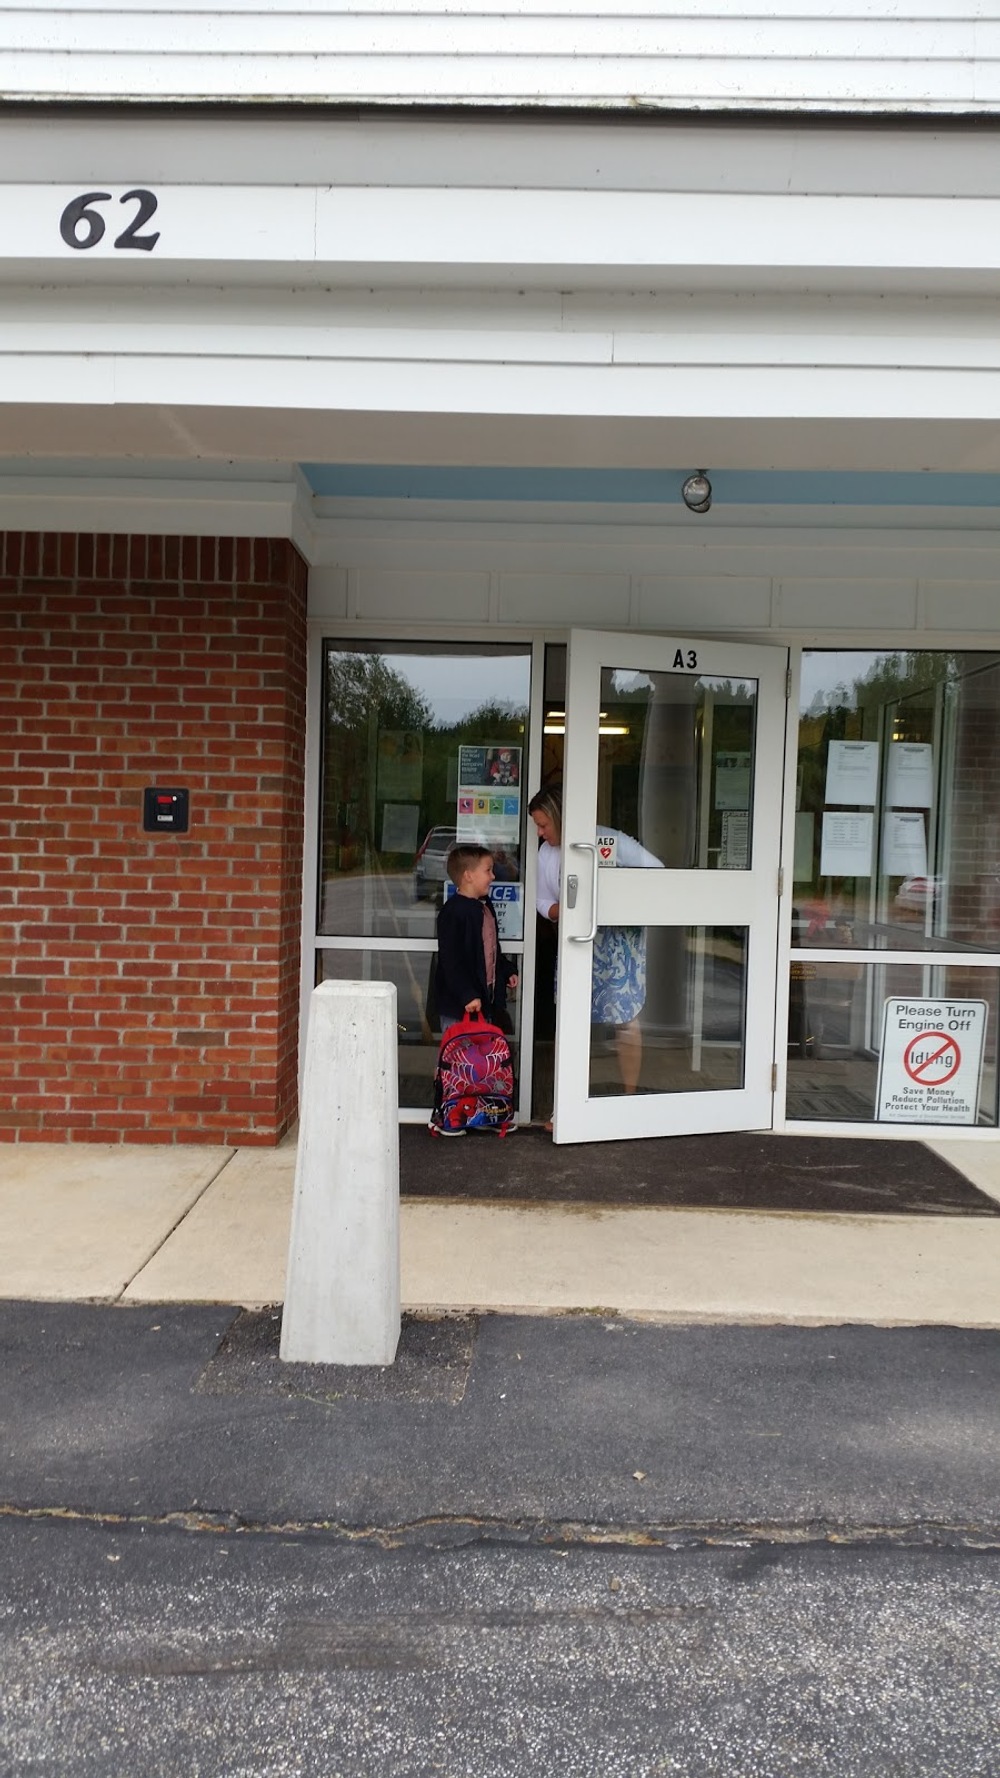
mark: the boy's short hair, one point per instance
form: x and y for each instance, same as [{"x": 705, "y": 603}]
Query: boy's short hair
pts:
[{"x": 462, "y": 858}]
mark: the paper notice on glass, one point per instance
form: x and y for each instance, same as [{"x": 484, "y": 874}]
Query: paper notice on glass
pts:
[
  {"x": 400, "y": 764},
  {"x": 904, "y": 844},
  {"x": 909, "y": 780},
  {"x": 732, "y": 780},
  {"x": 488, "y": 803},
  {"x": 399, "y": 827},
  {"x": 846, "y": 845},
  {"x": 852, "y": 772},
  {"x": 735, "y": 850}
]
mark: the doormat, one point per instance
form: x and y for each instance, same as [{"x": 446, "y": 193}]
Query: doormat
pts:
[{"x": 822, "y": 1174}]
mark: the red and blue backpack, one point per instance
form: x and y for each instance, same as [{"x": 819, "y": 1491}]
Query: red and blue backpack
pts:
[{"x": 474, "y": 1080}]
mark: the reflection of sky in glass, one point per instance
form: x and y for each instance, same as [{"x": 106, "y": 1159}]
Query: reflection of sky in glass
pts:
[
  {"x": 625, "y": 683},
  {"x": 831, "y": 676},
  {"x": 455, "y": 685}
]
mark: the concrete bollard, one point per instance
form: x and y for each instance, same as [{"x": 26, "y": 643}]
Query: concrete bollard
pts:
[{"x": 342, "y": 1286}]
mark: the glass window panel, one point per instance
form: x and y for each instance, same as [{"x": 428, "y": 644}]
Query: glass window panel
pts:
[
  {"x": 835, "y": 1026},
  {"x": 675, "y": 765},
  {"x": 675, "y": 761},
  {"x": 422, "y": 745},
  {"x": 416, "y": 1011},
  {"x": 896, "y": 844},
  {"x": 668, "y": 1009}
]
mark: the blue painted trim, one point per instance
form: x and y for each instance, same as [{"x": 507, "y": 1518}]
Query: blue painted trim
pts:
[{"x": 649, "y": 487}]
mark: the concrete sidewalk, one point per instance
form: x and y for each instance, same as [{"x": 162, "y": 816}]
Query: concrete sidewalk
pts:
[{"x": 209, "y": 1225}]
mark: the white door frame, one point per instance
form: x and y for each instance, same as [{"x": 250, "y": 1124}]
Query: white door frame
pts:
[{"x": 677, "y": 897}]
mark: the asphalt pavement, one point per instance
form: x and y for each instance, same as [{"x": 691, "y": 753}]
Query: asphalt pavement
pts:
[{"x": 573, "y": 1545}]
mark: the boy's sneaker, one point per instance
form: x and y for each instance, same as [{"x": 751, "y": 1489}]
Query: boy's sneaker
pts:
[{"x": 436, "y": 1130}]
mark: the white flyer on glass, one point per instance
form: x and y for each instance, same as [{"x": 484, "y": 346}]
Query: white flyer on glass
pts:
[
  {"x": 852, "y": 772},
  {"x": 904, "y": 844},
  {"x": 909, "y": 782},
  {"x": 846, "y": 845},
  {"x": 735, "y": 850},
  {"x": 488, "y": 806},
  {"x": 931, "y": 1061},
  {"x": 732, "y": 780},
  {"x": 399, "y": 827}
]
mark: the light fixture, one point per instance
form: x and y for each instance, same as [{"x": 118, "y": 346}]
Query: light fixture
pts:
[
  {"x": 696, "y": 492},
  {"x": 605, "y": 728}
]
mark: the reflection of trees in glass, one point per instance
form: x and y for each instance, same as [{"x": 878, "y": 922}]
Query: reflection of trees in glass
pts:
[
  {"x": 897, "y": 676},
  {"x": 360, "y": 687},
  {"x": 366, "y": 702},
  {"x": 362, "y": 695},
  {"x": 886, "y": 680},
  {"x": 732, "y": 691},
  {"x": 497, "y": 721}
]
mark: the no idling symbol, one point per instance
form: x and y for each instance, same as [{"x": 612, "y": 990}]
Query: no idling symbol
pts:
[{"x": 932, "y": 1058}]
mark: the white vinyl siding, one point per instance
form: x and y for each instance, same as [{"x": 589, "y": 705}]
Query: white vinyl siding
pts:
[{"x": 863, "y": 57}]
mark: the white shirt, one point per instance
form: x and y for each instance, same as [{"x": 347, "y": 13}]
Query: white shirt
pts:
[{"x": 628, "y": 853}]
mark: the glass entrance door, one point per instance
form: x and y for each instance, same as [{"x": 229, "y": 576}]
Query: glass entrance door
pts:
[{"x": 668, "y": 822}]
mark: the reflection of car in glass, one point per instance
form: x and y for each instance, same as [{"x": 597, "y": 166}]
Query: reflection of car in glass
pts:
[
  {"x": 430, "y": 864},
  {"x": 429, "y": 870},
  {"x": 916, "y": 894}
]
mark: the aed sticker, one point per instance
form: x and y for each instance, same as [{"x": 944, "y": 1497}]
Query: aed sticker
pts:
[
  {"x": 607, "y": 848},
  {"x": 931, "y": 1061}
]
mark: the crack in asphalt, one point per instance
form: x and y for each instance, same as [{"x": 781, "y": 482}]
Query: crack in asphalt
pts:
[{"x": 455, "y": 1531}]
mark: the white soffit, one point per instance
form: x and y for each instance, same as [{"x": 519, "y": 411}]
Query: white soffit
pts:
[{"x": 126, "y": 146}]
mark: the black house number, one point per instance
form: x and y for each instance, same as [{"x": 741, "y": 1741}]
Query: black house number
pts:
[{"x": 82, "y": 224}]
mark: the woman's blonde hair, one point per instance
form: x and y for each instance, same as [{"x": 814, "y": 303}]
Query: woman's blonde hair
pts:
[{"x": 549, "y": 801}]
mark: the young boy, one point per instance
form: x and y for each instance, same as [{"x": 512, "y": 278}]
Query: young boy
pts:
[{"x": 472, "y": 974}]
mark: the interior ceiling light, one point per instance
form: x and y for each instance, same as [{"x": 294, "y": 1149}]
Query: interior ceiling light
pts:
[
  {"x": 696, "y": 492},
  {"x": 604, "y": 728}
]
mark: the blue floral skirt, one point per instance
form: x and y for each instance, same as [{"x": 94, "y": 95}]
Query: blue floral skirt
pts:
[{"x": 618, "y": 991}]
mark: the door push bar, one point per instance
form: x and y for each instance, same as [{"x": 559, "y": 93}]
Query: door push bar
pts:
[{"x": 586, "y": 938}]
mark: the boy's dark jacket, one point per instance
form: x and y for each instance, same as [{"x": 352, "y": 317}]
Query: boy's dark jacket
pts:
[{"x": 461, "y": 959}]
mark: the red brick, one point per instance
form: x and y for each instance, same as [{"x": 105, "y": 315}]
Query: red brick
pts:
[{"x": 133, "y": 938}]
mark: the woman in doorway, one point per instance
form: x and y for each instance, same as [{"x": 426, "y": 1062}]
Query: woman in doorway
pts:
[{"x": 618, "y": 990}]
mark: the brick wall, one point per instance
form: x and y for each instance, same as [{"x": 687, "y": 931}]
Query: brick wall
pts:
[
  {"x": 973, "y": 862},
  {"x": 149, "y": 982}
]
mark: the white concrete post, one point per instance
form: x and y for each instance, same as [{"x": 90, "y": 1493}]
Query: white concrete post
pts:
[{"x": 342, "y": 1286}]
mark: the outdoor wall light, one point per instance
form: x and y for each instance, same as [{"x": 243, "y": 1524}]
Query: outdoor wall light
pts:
[{"x": 696, "y": 492}]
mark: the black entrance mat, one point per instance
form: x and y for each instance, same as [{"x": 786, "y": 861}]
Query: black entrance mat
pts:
[{"x": 823, "y": 1174}]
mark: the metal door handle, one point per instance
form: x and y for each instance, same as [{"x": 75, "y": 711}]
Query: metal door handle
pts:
[{"x": 587, "y": 938}]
